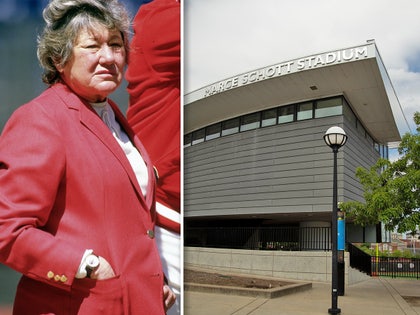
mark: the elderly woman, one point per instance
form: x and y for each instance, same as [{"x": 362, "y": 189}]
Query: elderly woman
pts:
[{"x": 77, "y": 188}]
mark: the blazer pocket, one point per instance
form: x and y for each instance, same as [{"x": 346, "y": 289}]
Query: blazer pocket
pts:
[{"x": 98, "y": 297}]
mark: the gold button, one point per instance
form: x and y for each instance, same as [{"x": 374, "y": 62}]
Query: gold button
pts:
[
  {"x": 150, "y": 233},
  {"x": 57, "y": 277},
  {"x": 50, "y": 274},
  {"x": 63, "y": 278}
]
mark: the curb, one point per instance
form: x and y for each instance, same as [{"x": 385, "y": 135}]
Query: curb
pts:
[
  {"x": 405, "y": 307},
  {"x": 293, "y": 287},
  {"x": 261, "y": 293}
]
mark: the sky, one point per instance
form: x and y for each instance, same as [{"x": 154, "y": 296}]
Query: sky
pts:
[{"x": 223, "y": 38}]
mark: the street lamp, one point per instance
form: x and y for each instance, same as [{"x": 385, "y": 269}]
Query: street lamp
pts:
[{"x": 335, "y": 138}]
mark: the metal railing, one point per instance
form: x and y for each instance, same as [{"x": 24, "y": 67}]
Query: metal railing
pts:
[
  {"x": 359, "y": 259},
  {"x": 260, "y": 238},
  {"x": 396, "y": 267},
  {"x": 383, "y": 266}
]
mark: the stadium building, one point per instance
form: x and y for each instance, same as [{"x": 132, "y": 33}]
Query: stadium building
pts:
[{"x": 254, "y": 156}]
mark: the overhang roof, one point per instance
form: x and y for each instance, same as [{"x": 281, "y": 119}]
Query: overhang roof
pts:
[{"x": 357, "y": 73}]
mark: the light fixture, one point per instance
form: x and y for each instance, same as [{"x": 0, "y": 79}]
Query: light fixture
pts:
[{"x": 335, "y": 137}]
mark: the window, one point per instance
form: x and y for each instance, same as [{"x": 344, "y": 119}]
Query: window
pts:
[
  {"x": 251, "y": 121},
  {"x": 348, "y": 113},
  {"x": 213, "y": 131},
  {"x": 198, "y": 136},
  {"x": 187, "y": 140},
  {"x": 230, "y": 126},
  {"x": 304, "y": 111},
  {"x": 361, "y": 129},
  {"x": 283, "y": 114},
  {"x": 286, "y": 114},
  {"x": 269, "y": 117},
  {"x": 329, "y": 107},
  {"x": 386, "y": 152}
]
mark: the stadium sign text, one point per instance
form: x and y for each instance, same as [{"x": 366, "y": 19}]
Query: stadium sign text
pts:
[{"x": 311, "y": 62}]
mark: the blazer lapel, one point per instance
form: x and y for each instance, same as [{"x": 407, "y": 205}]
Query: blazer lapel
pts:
[
  {"x": 93, "y": 122},
  {"x": 150, "y": 193}
]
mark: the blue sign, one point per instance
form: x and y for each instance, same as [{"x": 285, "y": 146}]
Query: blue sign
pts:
[{"x": 341, "y": 234}]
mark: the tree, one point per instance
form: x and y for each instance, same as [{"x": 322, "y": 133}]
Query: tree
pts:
[{"x": 391, "y": 189}]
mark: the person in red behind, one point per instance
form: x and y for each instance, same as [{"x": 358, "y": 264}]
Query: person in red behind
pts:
[{"x": 153, "y": 77}]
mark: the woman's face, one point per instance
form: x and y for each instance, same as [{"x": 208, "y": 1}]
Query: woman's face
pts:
[{"x": 96, "y": 67}]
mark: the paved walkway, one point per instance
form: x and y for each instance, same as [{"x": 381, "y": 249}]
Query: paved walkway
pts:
[{"x": 375, "y": 296}]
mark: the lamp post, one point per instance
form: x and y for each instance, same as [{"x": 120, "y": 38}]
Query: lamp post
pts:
[{"x": 335, "y": 138}]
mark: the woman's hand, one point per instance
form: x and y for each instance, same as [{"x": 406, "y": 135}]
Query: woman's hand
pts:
[
  {"x": 104, "y": 270},
  {"x": 168, "y": 297}
]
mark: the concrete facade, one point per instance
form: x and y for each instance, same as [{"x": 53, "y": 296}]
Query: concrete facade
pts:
[{"x": 308, "y": 266}]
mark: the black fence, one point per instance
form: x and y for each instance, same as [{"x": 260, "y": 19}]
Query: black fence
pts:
[
  {"x": 359, "y": 259},
  {"x": 260, "y": 238},
  {"x": 382, "y": 266}
]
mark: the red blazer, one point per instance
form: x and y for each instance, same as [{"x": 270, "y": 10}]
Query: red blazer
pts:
[
  {"x": 66, "y": 186},
  {"x": 154, "y": 80}
]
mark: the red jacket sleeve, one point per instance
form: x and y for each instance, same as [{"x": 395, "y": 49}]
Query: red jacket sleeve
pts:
[
  {"x": 153, "y": 77},
  {"x": 31, "y": 167}
]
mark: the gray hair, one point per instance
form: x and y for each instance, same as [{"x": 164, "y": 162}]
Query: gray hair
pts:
[{"x": 64, "y": 20}]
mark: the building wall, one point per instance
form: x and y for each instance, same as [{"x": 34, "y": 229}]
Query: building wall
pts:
[
  {"x": 359, "y": 151},
  {"x": 307, "y": 266},
  {"x": 279, "y": 169},
  {"x": 356, "y": 234}
]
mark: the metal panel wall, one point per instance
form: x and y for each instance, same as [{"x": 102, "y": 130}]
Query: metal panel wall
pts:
[
  {"x": 359, "y": 151},
  {"x": 278, "y": 169}
]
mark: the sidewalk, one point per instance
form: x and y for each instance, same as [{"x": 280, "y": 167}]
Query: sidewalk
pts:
[{"x": 375, "y": 296}]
